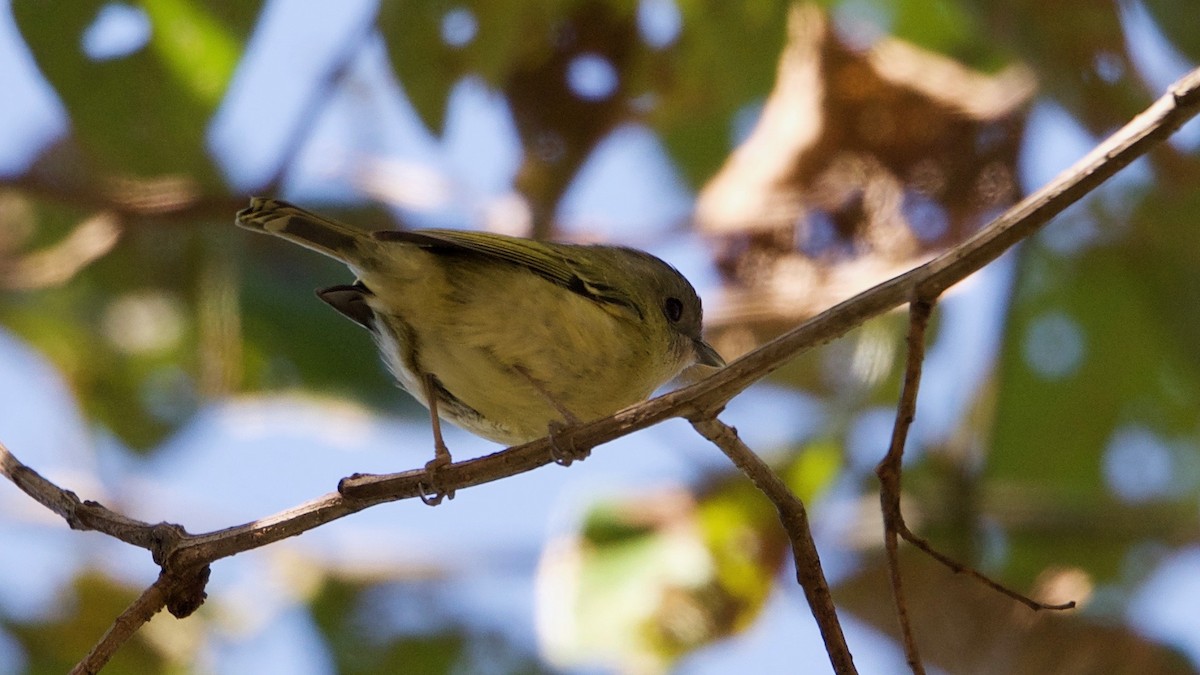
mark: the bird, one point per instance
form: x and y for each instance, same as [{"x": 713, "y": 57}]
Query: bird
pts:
[{"x": 506, "y": 337}]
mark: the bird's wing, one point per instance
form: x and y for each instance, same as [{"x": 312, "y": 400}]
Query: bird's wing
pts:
[{"x": 553, "y": 262}]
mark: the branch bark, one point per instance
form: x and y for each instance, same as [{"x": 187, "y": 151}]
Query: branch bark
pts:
[
  {"x": 134, "y": 617},
  {"x": 794, "y": 517}
]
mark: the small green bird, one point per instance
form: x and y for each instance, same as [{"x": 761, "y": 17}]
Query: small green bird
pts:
[{"x": 506, "y": 337}]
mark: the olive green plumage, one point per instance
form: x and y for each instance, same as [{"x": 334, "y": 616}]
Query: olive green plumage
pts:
[{"x": 518, "y": 335}]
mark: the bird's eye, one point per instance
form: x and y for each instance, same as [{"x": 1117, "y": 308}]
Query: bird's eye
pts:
[{"x": 673, "y": 309}]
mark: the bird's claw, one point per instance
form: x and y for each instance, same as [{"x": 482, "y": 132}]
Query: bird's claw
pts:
[
  {"x": 433, "y": 497},
  {"x": 564, "y": 454}
]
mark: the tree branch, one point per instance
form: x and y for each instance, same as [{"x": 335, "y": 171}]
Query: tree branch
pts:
[
  {"x": 794, "y": 517},
  {"x": 889, "y": 472},
  {"x": 79, "y": 514},
  {"x": 134, "y": 617}
]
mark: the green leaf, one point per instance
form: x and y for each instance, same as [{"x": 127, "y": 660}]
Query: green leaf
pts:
[
  {"x": 120, "y": 331},
  {"x": 144, "y": 113},
  {"x": 655, "y": 578},
  {"x": 814, "y": 469},
  {"x": 359, "y": 648},
  {"x": 505, "y": 38},
  {"x": 1179, "y": 22},
  {"x": 426, "y": 67},
  {"x": 723, "y": 64},
  {"x": 55, "y": 644},
  {"x": 196, "y": 49},
  {"x": 948, "y": 28},
  {"x": 1088, "y": 352}
]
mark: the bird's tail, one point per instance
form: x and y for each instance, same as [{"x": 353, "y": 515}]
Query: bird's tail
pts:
[{"x": 306, "y": 228}]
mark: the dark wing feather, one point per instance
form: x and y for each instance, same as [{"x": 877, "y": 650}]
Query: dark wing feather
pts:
[
  {"x": 549, "y": 261},
  {"x": 351, "y": 302}
]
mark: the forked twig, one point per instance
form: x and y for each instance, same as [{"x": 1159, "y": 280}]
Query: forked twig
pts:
[{"x": 890, "y": 472}]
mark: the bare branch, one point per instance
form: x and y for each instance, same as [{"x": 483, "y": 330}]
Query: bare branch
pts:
[
  {"x": 794, "y": 518},
  {"x": 889, "y": 472},
  {"x": 84, "y": 515},
  {"x": 134, "y": 617}
]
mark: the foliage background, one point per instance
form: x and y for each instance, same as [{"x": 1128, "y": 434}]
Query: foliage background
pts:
[{"x": 156, "y": 359}]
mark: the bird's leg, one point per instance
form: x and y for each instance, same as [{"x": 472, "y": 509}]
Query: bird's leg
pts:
[
  {"x": 563, "y": 456},
  {"x": 441, "y": 454}
]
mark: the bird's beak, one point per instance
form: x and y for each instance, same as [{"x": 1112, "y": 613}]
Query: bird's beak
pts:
[{"x": 706, "y": 355}]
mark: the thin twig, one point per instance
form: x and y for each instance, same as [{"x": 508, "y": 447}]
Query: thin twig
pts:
[
  {"x": 79, "y": 514},
  {"x": 891, "y": 468},
  {"x": 959, "y": 568},
  {"x": 890, "y": 472},
  {"x": 123, "y": 627},
  {"x": 794, "y": 518}
]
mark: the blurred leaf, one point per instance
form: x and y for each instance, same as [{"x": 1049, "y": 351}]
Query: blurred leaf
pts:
[
  {"x": 721, "y": 64},
  {"x": 149, "y": 331},
  {"x": 195, "y": 47},
  {"x": 142, "y": 113},
  {"x": 53, "y": 646},
  {"x": 938, "y": 25},
  {"x": 631, "y": 588},
  {"x": 946, "y": 27},
  {"x": 1078, "y": 51},
  {"x": 864, "y": 162},
  {"x": 963, "y": 627},
  {"x": 814, "y": 469},
  {"x": 425, "y": 65},
  {"x": 359, "y": 623},
  {"x": 1087, "y": 356},
  {"x": 432, "y": 45},
  {"x": 1179, "y": 22},
  {"x": 525, "y": 52},
  {"x": 357, "y": 648},
  {"x": 659, "y": 576},
  {"x": 718, "y": 73},
  {"x": 1162, "y": 249},
  {"x": 741, "y": 531},
  {"x": 559, "y": 124},
  {"x": 122, "y": 330}
]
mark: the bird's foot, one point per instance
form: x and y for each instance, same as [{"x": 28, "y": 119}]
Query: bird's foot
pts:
[
  {"x": 432, "y": 494},
  {"x": 563, "y": 451}
]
